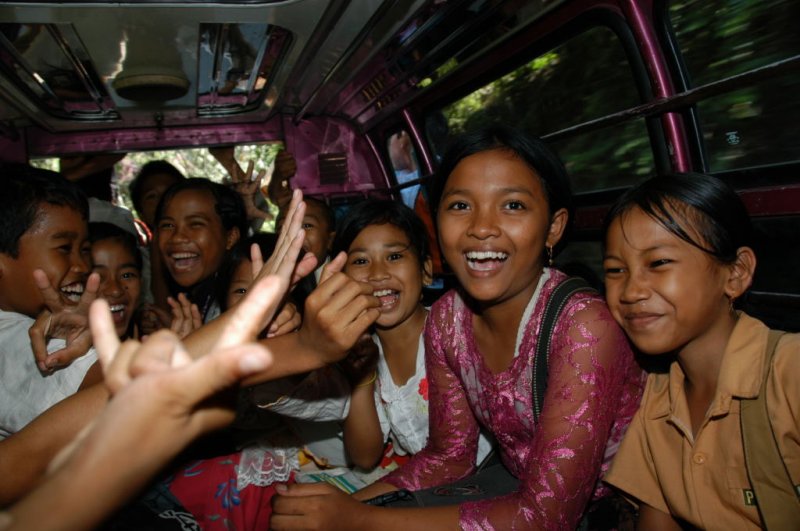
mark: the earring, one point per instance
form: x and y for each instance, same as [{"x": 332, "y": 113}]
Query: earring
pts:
[
  {"x": 550, "y": 255},
  {"x": 731, "y": 300}
]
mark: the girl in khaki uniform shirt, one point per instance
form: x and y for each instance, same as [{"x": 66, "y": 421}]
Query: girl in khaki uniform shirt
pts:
[{"x": 677, "y": 256}]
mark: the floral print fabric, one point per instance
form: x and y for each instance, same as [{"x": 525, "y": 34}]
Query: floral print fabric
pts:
[{"x": 594, "y": 388}]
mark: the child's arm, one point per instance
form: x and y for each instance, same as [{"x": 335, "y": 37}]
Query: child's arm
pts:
[
  {"x": 25, "y": 455},
  {"x": 651, "y": 519},
  {"x": 363, "y": 436},
  {"x": 159, "y": 391},
  {"x": 324, "y": 507}
]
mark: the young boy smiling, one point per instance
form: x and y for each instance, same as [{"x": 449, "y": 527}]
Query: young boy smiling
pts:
[{"x": 43, "y": 226}]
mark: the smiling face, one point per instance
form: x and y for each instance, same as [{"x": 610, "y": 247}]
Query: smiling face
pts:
[
  {"x": 57, "y": 244},
  {"x": 191, "y": 237},
  {"x": 493, "y": 226},
  {"x": 381, "y": 255},
  {"x": 665, "y": 293},
  {"x": 120, "y": 280}
]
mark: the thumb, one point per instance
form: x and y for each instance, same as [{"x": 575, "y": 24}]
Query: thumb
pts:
[
  {"x": 334, "y": 266},
  {"x": 225, "y": 368}
]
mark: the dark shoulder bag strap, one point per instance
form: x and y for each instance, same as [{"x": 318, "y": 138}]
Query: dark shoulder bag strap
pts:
[
  {"x": 566, "y": 289},
  {"x": 776, "y": 496}
]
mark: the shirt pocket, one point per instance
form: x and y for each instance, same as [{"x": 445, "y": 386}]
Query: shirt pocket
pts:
[{"x": 740, "y": 492}]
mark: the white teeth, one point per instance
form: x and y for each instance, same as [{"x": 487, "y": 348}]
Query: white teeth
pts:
[
  {"x": 117, "y": 307},
  {"x": 73, "y": 292},
  {"x": 382, "y": 293},
  {"x": 181, "y": 256},
  {"x": 73, "y": 288},
  {"x": 486, "y": 255}
]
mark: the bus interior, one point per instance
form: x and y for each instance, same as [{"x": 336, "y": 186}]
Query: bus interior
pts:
[{"x": 364, "y": 94}]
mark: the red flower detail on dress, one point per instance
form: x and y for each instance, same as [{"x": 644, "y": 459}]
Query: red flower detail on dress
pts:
[{"x": 423, "y": 388}]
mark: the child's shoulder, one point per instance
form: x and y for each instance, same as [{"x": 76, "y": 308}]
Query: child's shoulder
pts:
[
  {"x": 14, "y": 323},
  {"x": 583, "y": 305},
  {"x": 786, "y": 362}
]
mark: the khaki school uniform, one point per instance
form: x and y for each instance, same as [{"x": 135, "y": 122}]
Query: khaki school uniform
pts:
[{"x": 703, "y": 479}]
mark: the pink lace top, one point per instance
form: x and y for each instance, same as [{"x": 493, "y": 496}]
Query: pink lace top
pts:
[{"x": 594, "y": 388}]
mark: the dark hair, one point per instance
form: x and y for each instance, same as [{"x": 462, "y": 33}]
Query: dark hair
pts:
[
  {"x": 99, "y": 231},
  {"x": 154, "y": 167},
  {"x": 532, "y": 150},
  {"x": 25, "y": 188},
  {"x": 716, "y": 219},
  {"x": 327, "y": 211},
  {"x": 227, "y": 203},
  {"x": 381, "y": 212},
  {"x": 239, "y": 253}
]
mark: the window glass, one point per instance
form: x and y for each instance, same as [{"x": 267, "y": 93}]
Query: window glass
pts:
[
  {"x": 585, "y": 78},
  {"x": 753, "y": 125},
  {"x": 403, "y": 157},
  {"x": 197, "y": 162}
]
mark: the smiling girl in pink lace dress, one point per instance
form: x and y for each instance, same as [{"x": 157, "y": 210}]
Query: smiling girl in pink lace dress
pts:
[{"x": 502, "y": 206}]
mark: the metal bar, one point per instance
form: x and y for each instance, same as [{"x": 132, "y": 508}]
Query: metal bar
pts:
[{"x": 682, "y": 99}]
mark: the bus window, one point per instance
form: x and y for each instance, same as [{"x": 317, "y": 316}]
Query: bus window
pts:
[
  {"x": 753, "y": 125},
  {"x": 585, "y": 78},
  {"x": 198, "y": 162},
  {"x": 403, "y": 158}
]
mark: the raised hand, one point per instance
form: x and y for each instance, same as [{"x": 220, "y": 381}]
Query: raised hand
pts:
[
  {"x": 338, "y": 312},
  {"x": 283, "y": 261},
  {"x": 182, "y": 384},
  {"x": 186, "y": 316},
  {"x": 244, "y": 183},
  {"x": 58, "y": 320},
  {"x": 287, "y": 320}
]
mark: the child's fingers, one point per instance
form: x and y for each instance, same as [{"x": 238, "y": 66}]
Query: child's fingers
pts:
[
  {"x": 197, "y": 319},
  {"x": 304, "y": 267},
  {"x": 117, "y": 373},
  {"x": 256, "y": 259},
  {"x": 89, "y": 293},
  {"x": 248, "y": 175},
  {"x": 334, "y": 266},
  {"x": 156, "y": 355},
  {"x": 76, "y": 348},
  {"x": 292, "y": 225},
  {"x": 259, "y": 179},
  {"x": 51, "y": 297},
  {"x": 38, "y": 334},
  {"x": 286, "y": 267},
  {"x": 290, "y": 240},
  {"x": 253, "y": 311},
  {"x": 104, "y": 335},
  {"x": 287, "y": 320},
  {"x": 306, "y": 489},
  {"x": 185, "y": 306}
]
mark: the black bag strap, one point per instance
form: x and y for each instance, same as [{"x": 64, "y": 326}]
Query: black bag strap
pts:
[
  {"x": 776, "y": 496},
  {"x": 555, "y": 304}
]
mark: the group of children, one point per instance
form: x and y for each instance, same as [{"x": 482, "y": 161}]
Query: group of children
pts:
[{"x": 436, "y": 383}]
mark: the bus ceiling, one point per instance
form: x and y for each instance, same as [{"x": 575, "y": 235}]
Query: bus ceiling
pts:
[{"x": 97, "y": 76}]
